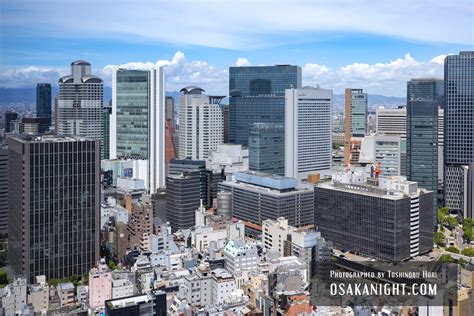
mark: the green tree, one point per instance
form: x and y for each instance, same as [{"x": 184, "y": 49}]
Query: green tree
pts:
[
  {"x": 439, "y": 239},
  {"x": 451, "y": 222},
  {"x": 467, "y": 229},
  {"x": 3, "y": 278},
  {"x": 468, "y": 252},
  {"x": 112, "y": 265},
  {"x": 452, "y": 249},
  {"x": 447, "y": 259}
]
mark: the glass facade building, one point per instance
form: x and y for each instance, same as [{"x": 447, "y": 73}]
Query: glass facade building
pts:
[
  {"x": 43, "y": 101},
  {"x": 267, "y": 148},
  {"x": 54, "y": 199},
  {"x": 458, "y": 130},
  {"x": 424, "y": 97},
  {"x": 257, "y": 95}
]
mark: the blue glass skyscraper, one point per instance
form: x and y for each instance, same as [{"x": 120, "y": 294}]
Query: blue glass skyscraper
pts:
[
  {"x": 257, "y": 95},
  {"x": 43, "y": 101}
]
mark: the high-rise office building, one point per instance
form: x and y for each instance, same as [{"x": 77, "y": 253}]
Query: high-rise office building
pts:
[
  {"x": 383, "y": 152},
  {"x": 267, "y": 148},
  {"x": 105, "y": 145},
  {"x": 308, "y": 131},
  {"x": 9, "y": 117},
  {"x": 137, "y": 125},
  {"x": 43, "y": 101},
  {"x": 225, "y": 113},
  {"x": 355, "y": 124},
  {"x": 54, "y": 200},
  {"x": 169, "y": 108},
  {"x": 3, "y": 189},
  {"x": 170, "y": 148},
  {"x": 424, "y": 96},
  {"x": 459, "y": 131},
  {"x": 385, "y": 218},
  {"x": 182, "y": 199},
  {"x": 257, "y": 197},
  {"x": 257, "y": 95},
  {"x": 79, "y": 103},
  {"x": 201, "y": 123},
  {"x": 179, "y": 166}
]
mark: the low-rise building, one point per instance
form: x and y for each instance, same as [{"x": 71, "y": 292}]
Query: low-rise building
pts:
[
  {"x": 66, "y": 294},
  {"x": 14, "y": 296},
  {"x": 153, "y": 303},
  {"x": 240, "y": 256},
  {"x": 100, "y": 285},
  {"x": 38, "y": 295},
  {"x": 222, "y": 284}
]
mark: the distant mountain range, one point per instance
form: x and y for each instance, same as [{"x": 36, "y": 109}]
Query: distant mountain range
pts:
[{"x": 28, "y": 95}]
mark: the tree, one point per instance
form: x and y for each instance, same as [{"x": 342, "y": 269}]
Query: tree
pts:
[
  {"x": 468, "y": 252},
  {"x": 452, "y": 249},
  {"x": 3, "y": 278},
  {"x": 439, "y": 239},
  {"x": 112, "y": 265},
  {"x": 447, "y": 259},
  {"x": 467, "y": 229},
  {"x": 451, "y": 222}
]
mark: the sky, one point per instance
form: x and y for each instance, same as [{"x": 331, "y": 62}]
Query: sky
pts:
[{"x": 374, "y": 45}]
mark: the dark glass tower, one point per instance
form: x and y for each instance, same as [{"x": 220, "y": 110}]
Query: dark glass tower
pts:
[
  {"x": 43, "y": 101},
  {"x": 257, "y": 95},
  {"x": 53, "y": 206},
  {"x": 267, "y": 148},
  {"x": 424, "y": 96},
  {"x": 3, "y": 189},
  {"x": 459, "y": 131},
  {"x": 9, "y": 116}
]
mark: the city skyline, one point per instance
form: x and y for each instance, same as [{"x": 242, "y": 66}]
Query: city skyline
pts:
[{"x": 333, "y": 53}]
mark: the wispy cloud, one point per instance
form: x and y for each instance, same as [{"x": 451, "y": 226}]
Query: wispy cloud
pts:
[
  {"x": 388, "y": 78},
  {"x": 240, "y": 24}
]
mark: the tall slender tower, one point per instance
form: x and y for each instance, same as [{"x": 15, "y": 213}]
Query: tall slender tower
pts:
[
  {"x": 54, "y": 205},
  {"x": 43, "y": 101},
  {"x": 459, "y": 132},
  {"x": 355, "y": 113},
  {"x": 79, "y": 102},
  {"x": 424, "y": 96},
  {"x": 137, "y": 125}
]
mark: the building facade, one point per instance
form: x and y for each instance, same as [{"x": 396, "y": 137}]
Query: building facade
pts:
[
  {"x": 458, "y": 130},
  {"x": 257, "y": 197},
  {"x": 382, "y": 152},
  {"x": 383, "y": 218},
  {"x": 54, "y": 200},
  {"x": 267, "y": 148},
  {"x": 43, "y": 101},
  {"x": 137, "y": 126},
  {"x": 79, "y": 103},
  {"x": 355, "y": 121},
  {"x": 257, "y": 96},
  {"x": 3, "y": 189},
  {"x": 308, "y": 131},
  {"x": 182, "y": 199},
  {"x": 201, "y": 124}
]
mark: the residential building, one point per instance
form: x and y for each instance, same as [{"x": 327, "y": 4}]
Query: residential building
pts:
[
  {"x": 140, "y": 223},
  {"x": 308, "y": 131},
  {"x": 201, "y": 123},
  {"x": 257, "y": 197},
  {"x": 79, "y": 102},
  {"x": 70, "y": 233},
  {"x": 222, "y": 284},
  {"x": 38, "y": 295},
  {"x": 424, "y": 96},
  {"x": 3, "y": 189},
  {"x": 43, "y": 101},
  {"x": 182, "y": 199},
  {"x": 137, "y": 125},
  {"x": 458, "y": 131},
  {"x": 355, "y": 124},
  {"x": 384, "y": 218},
  {"x": 257, "y": 96},
  {"x": 240, "y": 256},
  {"x": 100, "y": 285},
  {"x": 66, "y": 294},
  {"x": 153, "y": 303},
  {"x": 382, "y": 152},
  {"x": 267, "y": 148},
  {"x": 197, "y": 287},
  {"x": 121, "y": 286},
  {"x": 14, "y": 296}
]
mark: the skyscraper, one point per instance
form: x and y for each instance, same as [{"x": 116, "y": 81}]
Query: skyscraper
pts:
[
  {"x": 3, "y": 189},
  {"x": 201, "y": 123},
  {"x": 459, "y": 130},
  {"x": 105, "y": 149},
  {"x": 355, "y": 118},
  {"x": 54, "y": 200},
  {"x": 308, "y": 131},
  {"x": 423, "y": 98},
  {"x": 137, "y": 126},
  {"x": 79, "y": 102},
  {"x": 267, "y": 148},
  {"x": 43, "y": 101},
  {"x": 182, "y": 199},
  {"x": 257, "y": 96},
  {"x": 9, "y": 117}
]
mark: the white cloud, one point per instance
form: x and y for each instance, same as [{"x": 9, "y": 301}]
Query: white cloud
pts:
[
  {"x": 243, "y": 24},
  {"x": 387, "y": 78},
  {"x": 242, "y": 62}
]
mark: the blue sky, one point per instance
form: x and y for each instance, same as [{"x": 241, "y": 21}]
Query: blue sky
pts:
[{"x": 375, "y": 45}]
